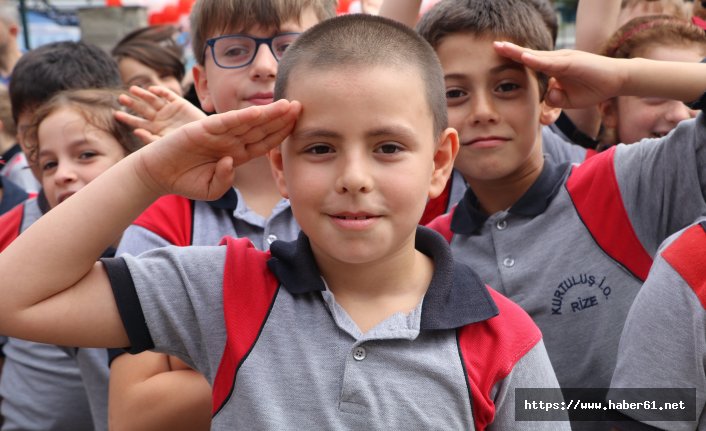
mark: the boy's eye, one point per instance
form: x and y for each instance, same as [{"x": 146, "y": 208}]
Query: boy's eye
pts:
[
  {"x": 454, "y": 93},
  {"x": 48, "y": 165},
  {"x": 507, "y": 87},
  {"x": 87, "y": 155},
  {"x": 388, "y": 148},
  {"x": 319, "y": 149}
]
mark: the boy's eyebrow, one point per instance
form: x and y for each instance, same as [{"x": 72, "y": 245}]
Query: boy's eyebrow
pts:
[
  {"x": 72, "y": 144},
  {"x": 511, "y": 65},
  {"x": 315, "y": 133}
]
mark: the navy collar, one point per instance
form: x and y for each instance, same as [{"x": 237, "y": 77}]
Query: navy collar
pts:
[
  {"x": 456, "y": 296},
  {"x": 228, "y": 201},
  {"x": 468, "y": 217},
  {"x": 703, "y": 225},
  {"x": 11, "y": 152}
]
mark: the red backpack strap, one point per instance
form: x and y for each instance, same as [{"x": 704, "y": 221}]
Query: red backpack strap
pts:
[
  {"x": 442, "y": 224},
  {"x": 249, "y": 291},
  {"x": 489, "y": 351},
  {"x": 593, "y": 188},
  {"x": 11, "y": 225},
  {"x": 171, "y": 217},
  {"x": 687, "y": 255}
]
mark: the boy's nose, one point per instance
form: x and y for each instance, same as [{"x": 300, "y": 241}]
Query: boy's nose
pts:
[
  {"x": 64, "y": 174},
  {"x": 355, "y": 176},
  {"x": 677, "y": 111},
  {"x": 264, "y": 65},
  {"x": 482, "y": 110}
]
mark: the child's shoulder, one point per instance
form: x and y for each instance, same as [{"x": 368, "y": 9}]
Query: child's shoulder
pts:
[{"x": 685, "y": 252}]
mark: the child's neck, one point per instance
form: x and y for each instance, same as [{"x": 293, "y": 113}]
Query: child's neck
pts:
[
  {"x": 501, "y": 194},
  {"x": 374, "y": 291},
  {"x": 257, "y": 186}
]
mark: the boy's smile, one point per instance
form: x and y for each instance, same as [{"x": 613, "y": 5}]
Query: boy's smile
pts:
[
  {"x": 222, "y": 90},
  {"x": 494, "y": 103},
  {"x": 359, "y": 165}
]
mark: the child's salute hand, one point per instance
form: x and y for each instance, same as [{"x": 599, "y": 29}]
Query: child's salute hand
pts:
[
  {"x": 578, "y": 79},
  {"x": 199, "y": 159}
]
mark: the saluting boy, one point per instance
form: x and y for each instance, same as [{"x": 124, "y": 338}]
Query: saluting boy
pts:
[
  {"x": 570, "y": 244},
  {"x": 364, "y": 321},
  {"x": 237, "y": 45}
]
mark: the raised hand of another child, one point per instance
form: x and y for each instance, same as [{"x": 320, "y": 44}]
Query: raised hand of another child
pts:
[
  {"x": 198, "y": 160},
  {"x": 578, "y": 79},
  {"x": 157, "y": 111}
]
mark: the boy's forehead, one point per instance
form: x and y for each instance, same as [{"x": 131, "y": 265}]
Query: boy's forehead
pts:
[{"x": 298, "y": 24}]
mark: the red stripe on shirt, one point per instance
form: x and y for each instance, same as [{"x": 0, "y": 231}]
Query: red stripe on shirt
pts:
[{"x": 687, "y": 255}]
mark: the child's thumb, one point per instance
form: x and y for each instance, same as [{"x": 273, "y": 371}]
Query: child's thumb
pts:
[{"x": 556, "y": 98}]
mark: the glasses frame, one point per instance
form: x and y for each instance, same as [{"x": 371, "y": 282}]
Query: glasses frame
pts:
[{"x": 258, "y": 42}]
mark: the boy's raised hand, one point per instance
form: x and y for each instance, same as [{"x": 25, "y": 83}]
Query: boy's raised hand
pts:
[
  {"x": 578, "y": 79},
  {"x": 198, "y": 160},
  {"x": 157, "y": 111}
]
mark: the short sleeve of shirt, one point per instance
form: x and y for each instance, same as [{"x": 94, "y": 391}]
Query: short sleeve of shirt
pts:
[
  {"x": 663, "y": 181},
  {"x": 170, "y": 301}
]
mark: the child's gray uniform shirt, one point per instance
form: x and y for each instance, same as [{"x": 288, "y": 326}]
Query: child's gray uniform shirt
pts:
[
  {"x": 540, "y": 254},
  {"x": 228, "y": 216},
  {"x": 311, "y": 367},
  {"x": 664, "y": 340}
]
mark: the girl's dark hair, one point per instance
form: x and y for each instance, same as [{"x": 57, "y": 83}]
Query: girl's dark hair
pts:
[{"x": 156, "y": 47}]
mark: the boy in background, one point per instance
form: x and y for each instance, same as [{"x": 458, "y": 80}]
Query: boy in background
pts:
[
  {"x": 570, "y": 244},
  {"x": 364, "y": 321},
  {"x": 258, "y": 32}
]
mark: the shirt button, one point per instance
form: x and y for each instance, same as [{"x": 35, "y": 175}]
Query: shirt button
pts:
[
  {"x": 271, "y": 239},
  {"x": 509, "y": 262},
  {"x": 502, "y": 224},
  {"x": 359, "y": 353}
]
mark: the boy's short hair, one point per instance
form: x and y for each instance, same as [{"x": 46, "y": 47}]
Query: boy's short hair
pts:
[
  {"x": 366, "y": 41},
  {"x": 155, "y": 47},
  {"x": 641, "y": 33},
  {"x": 95, "y": 105},
  {"x": 217, "y": 17},
  {"x": 549, "y": 15},
  {"x": 48, "y": 69},
  {"x": 517, "y": 21},
  {"x": 8, "y": 123}
]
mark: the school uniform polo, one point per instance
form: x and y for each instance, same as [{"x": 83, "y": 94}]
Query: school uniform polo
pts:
[
  {"x": 174, "y": 220},
  {"x": 12, "y": 195},
  {"x": 281, "y": 353},
  {"x": 44, "y": 386},
  {"x": 557, "y": 146},
  {"x": 575, "y": 249},
  {"x": 664, "y": 340}
]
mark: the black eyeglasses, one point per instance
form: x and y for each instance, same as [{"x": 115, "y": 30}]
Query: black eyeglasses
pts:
[{"x": 238, "y": 50}]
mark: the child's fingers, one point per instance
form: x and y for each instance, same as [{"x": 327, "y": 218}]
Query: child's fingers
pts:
[
  {"x": 542, "y": 61},
  {"x": 129, "y": 119},
  {"x": 164, "y": 93},
  {"x": 154, "y": 101},
  {"x": 145, "y": 136}
]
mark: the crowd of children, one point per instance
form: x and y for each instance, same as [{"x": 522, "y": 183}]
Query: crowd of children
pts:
[{"x": 361, "y": 224}]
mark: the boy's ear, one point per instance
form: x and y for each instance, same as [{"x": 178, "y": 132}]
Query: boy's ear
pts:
[
  {"x": 276, "y": 165},
  {"x": 548, "y": 114},
  {"x": 444, "y": 157},
  {"x": 201, "y": 86}
]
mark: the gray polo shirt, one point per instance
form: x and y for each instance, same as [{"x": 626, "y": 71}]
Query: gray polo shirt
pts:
[
  {"x": 311, "y": 367},
  {"x": 541, "y": 254},
  {"x": 209, "y": 222},
  {"x": 664, "y": 340}
]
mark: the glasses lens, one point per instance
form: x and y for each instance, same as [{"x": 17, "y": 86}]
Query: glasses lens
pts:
[
  {"x": 281, "y": 43},
  {"x": 233, "y": 51}
]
